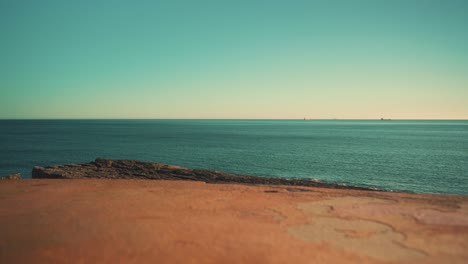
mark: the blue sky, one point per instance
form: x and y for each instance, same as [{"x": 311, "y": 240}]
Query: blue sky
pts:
[{"x": 234, "y": 59}]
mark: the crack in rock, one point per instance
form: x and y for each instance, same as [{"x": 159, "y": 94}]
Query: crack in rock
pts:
[{"x": 363, "y": 236}]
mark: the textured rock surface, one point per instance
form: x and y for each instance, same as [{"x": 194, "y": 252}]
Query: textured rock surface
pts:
[
  {"x": 145, "y": 221},
  {"x": 16, "y": 176},
  {"x": 132, "y": 169}
]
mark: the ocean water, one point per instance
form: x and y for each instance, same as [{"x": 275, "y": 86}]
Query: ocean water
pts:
[{"x": 418, "y": 156}]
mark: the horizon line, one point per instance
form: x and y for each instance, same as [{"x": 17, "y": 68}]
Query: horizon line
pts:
[{"x": 297, "y": 119}]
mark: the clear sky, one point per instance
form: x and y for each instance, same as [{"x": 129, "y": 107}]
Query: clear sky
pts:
[{"x": 234, "y": 59}]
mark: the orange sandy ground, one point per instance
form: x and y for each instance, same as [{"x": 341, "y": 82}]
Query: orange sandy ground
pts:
[{"x": 138, "y": 221}]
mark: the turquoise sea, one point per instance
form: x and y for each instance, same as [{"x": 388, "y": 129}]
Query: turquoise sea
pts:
[{"x": 411, "y": 155}]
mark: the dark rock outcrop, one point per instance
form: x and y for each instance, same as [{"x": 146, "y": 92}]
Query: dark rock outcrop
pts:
[
  {"x": 132, "y": 169},
  {"x": 15, "y": 176}
]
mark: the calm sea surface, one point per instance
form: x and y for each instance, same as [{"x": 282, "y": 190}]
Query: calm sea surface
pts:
[{"x": 418, "y": 156}]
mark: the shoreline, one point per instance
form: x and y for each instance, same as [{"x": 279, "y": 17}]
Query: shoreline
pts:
[{"x": 133, "y": 169}]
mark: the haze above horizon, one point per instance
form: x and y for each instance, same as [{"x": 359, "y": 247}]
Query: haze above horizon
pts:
[{"x": 234, "y": 60}]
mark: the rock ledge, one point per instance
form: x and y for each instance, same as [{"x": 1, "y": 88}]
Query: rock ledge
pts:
[
  {"x": 132, "y": 169},
  {"x": 16, "y": 176}
]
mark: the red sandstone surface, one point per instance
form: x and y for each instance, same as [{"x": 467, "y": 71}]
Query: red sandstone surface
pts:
[{"x": 145, "y": 221}]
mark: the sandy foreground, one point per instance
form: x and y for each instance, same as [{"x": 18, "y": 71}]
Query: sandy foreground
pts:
[{"x": 147, "y": 221}]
